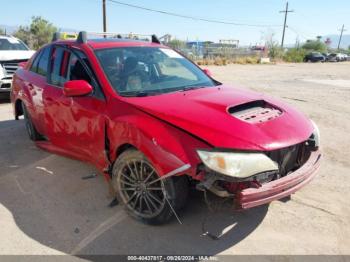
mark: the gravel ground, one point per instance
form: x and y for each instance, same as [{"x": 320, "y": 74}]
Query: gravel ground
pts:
[{"x": 46, "y": 208}]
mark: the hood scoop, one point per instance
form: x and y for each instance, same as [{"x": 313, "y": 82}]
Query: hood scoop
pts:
[{"x": 258, "y": 111}]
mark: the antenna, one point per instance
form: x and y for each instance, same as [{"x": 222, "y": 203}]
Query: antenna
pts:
[
  {"x": 56, "y": 36},
  {"x": 82, "y": 37},
  {"x": 155, "y": 39}
]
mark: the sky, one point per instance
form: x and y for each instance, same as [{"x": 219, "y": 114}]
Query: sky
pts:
[{"x": 309, "y": 19}]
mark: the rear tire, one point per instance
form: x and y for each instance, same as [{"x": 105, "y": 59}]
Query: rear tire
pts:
[
  {"x": 32, "y": 133},
  {"x": 142, "y": 194}
]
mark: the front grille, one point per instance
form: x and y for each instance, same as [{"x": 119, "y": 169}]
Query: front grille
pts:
[
  {"x": 291, "y": 158},
  {"x": 11, "y": 66},
  {"x": 5, "y": 86}
]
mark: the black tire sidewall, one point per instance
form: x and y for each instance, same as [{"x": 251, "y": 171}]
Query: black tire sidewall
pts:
[
  {"x": 166, "y": 213},
  {"x": 29, "y": 125}
]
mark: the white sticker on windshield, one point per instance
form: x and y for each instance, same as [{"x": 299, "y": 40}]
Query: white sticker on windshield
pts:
[
  {"x": 13, "y": 40},
  {"x": 171, "y": 53}
]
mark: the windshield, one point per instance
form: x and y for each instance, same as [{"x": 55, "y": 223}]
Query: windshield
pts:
[
  {"x": 12, "y": 44},
  {"x": 141, "y": 71}
]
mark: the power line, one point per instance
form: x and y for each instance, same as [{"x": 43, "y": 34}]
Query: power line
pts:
[
  {"x": 298, "y": 33},
  {"x": 190, "y": 17},
  {"x": 285, "y": 22}
]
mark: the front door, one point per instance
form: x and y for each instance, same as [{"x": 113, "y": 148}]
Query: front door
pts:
[{"x": 74, "y": 123}]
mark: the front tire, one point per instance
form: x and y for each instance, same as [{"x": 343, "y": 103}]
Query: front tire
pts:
[
  {"x": 144, "y": 196},
  {"x": 32, "y": 133}
]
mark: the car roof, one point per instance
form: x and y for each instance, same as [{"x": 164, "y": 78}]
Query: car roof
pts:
[
  {"x": 7, "y": 37},
  {"x": 101, "y": 43}
]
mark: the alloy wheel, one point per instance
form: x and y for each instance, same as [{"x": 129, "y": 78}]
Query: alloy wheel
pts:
[{"x": 141, "y": 189}]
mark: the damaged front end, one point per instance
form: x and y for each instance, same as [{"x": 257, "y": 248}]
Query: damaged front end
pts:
[{"x": 256, "y": 178}]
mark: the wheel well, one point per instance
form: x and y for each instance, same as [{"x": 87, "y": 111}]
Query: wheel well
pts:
[
  {"x": 123, "y": 148},
  {"x": 18, "y": 108}
]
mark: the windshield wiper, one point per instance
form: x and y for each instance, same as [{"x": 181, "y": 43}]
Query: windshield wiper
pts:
[
  {"x": 139, "y": 94},
  {"x": 186, "y": 88},
  {"x": 143, "y": 93}
]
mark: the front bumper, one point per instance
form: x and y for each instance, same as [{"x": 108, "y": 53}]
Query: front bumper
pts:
[
  {"x": 279, "y": 188},
  {"x": 5, "y": 85}
]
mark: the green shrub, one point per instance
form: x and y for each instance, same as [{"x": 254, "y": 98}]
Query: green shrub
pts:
[
  {"x": 294, "y": 55},
  {"x": 275, "y": 51},
  {"x": 222, "y": 61},
  {"x": 315, "y": 45},
  {"x": 252, "y": 60},
  {"x": 242, "y": 60}
]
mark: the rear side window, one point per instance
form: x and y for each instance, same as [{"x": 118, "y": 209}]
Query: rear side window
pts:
[
  {"x": 34, "y": 66},
  {"x": 43, "y": 62}
]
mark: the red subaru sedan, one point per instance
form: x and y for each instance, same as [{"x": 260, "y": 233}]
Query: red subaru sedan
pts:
[{"x": 156, "y": 124}]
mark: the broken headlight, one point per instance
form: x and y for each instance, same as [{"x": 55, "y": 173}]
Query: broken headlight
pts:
[
  {"x": 237, "y": 164},
  {"x": 316, "y": 135}
]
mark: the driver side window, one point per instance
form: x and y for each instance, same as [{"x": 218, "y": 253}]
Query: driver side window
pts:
[
  {"x": 77, "y": 71},
  {"x": 58, "y": 74},
  {"x": 67, "y": 65}
]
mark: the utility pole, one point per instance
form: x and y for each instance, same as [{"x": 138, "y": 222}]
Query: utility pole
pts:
[
  {"x": 297, "y": 43},
  {"x": 285, "y": 22},
  {"x": 104, "y": 16},
  {"x": 341, "y": 35}
]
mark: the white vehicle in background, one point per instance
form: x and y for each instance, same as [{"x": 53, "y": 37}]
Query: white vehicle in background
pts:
[
  {"x": 12, "y": 52},
  {"x": 335, "y": 57},
  {"x": 343, "y": 57}
]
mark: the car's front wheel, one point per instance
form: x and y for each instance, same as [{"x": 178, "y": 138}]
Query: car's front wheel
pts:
[
  {"x": 144, "y": 195},
  {"x": 32, "y": 133}
]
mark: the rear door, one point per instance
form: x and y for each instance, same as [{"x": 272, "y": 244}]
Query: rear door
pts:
[
  {"x": 35, "y": 82},
  {"x": 74, "y": 123}
]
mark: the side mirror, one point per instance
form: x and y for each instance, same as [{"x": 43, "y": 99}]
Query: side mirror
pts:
[
  {"x": 22, "y": 64},
  {"x": 77, "y": 88},
  {"x": 207, "y": 72}
]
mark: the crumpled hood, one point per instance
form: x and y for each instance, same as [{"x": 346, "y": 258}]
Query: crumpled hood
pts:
[
  {"x": 6, "y": 55},
  {"x": 204, "y": 113}
]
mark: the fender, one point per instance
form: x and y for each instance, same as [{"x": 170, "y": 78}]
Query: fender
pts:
[
  {"x": 167, "y": 147},
  {"x": 21, "y": 92}
]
